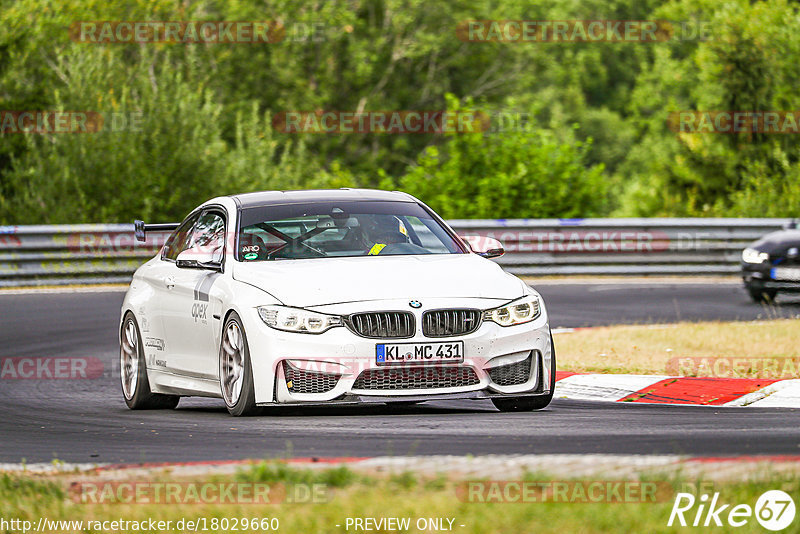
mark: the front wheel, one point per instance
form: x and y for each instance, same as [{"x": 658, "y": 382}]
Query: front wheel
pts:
[
  {"x": 527, "y": 404},
  {"x": 133, "y": 372},
  {"x": 235, "y": 371},
  {"x": 761, "y": 296}
]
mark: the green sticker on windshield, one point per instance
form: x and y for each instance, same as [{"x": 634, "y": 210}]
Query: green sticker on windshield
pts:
[{"x": 251, "y": 256}]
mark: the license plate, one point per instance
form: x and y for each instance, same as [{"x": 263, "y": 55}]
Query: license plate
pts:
[
  {"x": 786, "y": 273},
  {"x": 403, "y": 353}
]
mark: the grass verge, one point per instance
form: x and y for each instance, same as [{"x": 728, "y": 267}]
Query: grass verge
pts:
[
  {"x": 406, "y": 495},
  {"x": 648, "y": 349}
]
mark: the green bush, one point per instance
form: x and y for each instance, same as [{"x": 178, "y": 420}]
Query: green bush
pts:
[
  {"x": 598, "y": 144},
  {"x": 526, "y": 173}
]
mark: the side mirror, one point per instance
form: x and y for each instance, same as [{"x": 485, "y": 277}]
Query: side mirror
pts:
[
  {"x": 486, "y": 247},
  {"x": 198, "y": 258}
]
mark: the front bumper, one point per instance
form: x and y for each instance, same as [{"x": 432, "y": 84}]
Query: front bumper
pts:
[
  {"x": 353, "y": 399},
  {"x": 758, "y": 276},
  {"x": 341, "y": 352}
]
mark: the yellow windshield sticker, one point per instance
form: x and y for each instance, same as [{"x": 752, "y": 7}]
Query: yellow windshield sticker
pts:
[
  {"x": 376, "y": 249},
  {"x": 402, "y": 228}
]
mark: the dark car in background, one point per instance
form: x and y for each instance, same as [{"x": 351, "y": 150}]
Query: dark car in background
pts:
[{"x": 772, "y": 264}]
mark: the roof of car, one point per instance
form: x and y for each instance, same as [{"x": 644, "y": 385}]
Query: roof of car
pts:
[{"x": 262, "y": 198}]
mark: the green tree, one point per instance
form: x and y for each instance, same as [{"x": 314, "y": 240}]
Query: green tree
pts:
[{"x": 526, "y": 173}]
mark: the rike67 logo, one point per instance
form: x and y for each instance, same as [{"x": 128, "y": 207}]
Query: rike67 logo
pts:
[{"x": 774, "y": 510}]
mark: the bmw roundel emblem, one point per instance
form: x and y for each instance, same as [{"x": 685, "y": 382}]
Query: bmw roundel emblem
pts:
[{"x": 415, "y": 304}]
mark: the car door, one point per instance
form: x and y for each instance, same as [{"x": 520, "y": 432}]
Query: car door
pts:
[
  {"x": 188, "y": 313},
  {"x": 161, "y": 276}
]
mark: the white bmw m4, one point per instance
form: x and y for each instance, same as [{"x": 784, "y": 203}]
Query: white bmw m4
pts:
[{"x": 329, "y": 297}]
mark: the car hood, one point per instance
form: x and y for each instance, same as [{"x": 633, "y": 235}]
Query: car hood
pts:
[{"x": 317, "y": 282}]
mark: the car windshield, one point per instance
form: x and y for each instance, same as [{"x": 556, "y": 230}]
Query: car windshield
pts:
[{"x": 340, "y": 229}]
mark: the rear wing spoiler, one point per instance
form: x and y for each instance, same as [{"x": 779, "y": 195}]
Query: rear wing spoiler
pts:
[{"x": 140, "y": 229}]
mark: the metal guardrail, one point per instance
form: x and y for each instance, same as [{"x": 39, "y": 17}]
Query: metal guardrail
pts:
[
  {"x": 72, "y": 254},
  {"x": 108, "y": 253},
  {"x": 629, "y": 246}
]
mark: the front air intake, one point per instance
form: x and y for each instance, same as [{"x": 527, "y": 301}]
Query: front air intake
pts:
[
  {"x": 393, "y": 379},
  {"x": 303, "y": 381},
  {"x": 513, "y": 374}
]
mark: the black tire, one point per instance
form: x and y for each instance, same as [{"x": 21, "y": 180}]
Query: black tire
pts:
[
  {"x": 245, "y": 403},
  {"x": 140, "y": 397},
  {"x": 528, "y": 404},
  {"x": 762, "y": 296}
]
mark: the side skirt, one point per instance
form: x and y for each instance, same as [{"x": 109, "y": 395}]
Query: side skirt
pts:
[{"x": 172, "y": 384}]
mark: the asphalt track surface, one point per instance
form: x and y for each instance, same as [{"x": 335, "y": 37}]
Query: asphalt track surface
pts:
[{"x": 87, "y": 421}]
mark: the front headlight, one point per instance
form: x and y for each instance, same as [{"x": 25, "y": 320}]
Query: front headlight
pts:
[
  {"x": 297, "y": 320},
  {"x": 520, "y": 311},
  {"x": 751, "y": 255}
]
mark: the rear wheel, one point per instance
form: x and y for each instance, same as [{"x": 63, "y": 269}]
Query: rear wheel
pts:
[
  {"x": 235, "y": 371},
  {"x": 133, "y": 372},
  {"x": 527, "y": 404},
  {"x": 761, "y": 296}
]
